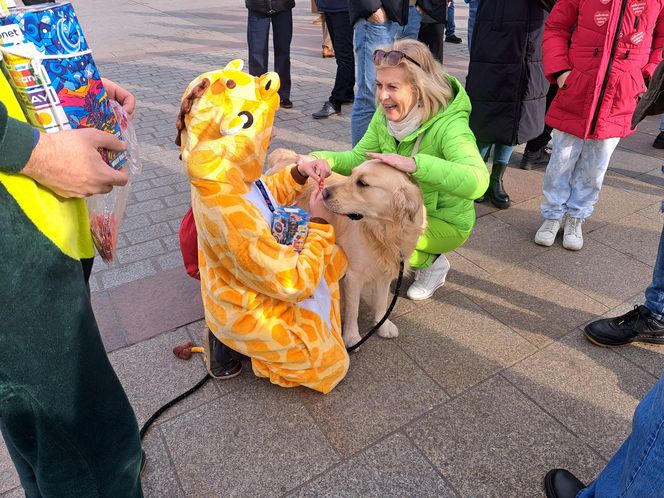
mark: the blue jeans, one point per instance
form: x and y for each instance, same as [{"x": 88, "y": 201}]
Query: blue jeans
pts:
[
  {"x": 501, "y": 153},
  {"x": 655, "y": 291},
  {"x": 635, "y": 471},
  {"x": 412, "y": 29},
  {"x": 472, "y": 13},
  {"x": 661, "y": 124},
  {"x": 450, "y": 20},
  {"x": 574, "y": 175},
  {"x": 367, "y": 37}
]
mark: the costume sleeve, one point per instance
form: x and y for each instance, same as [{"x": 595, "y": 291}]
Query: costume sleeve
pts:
[
  {"x": 344, "y": 162},
  {"x": 462, "y": 173},
  {"x": 656, "y": 49},
  {"x": 283, "y": 186},
  {"x": 252, "y": 255},
  {"x": 557, "y": 35},
  {"x": 17, "y": 140}
]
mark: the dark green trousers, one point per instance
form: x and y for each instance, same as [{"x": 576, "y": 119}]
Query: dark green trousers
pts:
[{"x": 65, "y": 418}]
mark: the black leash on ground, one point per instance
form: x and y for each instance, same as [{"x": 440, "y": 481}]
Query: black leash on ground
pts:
[{"x": 207, "y": 377}]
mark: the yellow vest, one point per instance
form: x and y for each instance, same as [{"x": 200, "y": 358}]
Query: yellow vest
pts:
[{"x": 64, "y": 221}]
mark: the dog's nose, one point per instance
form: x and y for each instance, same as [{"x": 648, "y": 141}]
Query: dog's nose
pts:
[{"x": 326, "y": 193}]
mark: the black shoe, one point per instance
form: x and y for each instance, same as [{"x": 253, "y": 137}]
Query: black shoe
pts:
[
  {"x": 328, "y": 110},
  {"x": 659, "y": 141},
  {"x": 144, "y": 459},
  {"x": 534, "y": 158},
  {"x": 221, "y": 361},
  {"x": 496, "y": 192},
  {"x": 636, "y": 326},
  {"x": 286, "y": 104},
  {"x": 560, "y": 483},
  {"x": 453, "y": 39}
]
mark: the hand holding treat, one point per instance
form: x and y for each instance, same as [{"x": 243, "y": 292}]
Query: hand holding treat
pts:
[
  {"x": 317, "y": 206},
  {"x": 316, "y": 169}
]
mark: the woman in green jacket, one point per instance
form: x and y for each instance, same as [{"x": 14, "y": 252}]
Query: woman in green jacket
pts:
[{"x": 421, "y": 128}]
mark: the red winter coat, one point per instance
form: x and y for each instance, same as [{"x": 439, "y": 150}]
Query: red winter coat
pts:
[{"x": 615, "y": 44}]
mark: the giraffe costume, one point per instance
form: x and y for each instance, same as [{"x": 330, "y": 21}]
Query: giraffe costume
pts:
[{"x": 263, "y": 299}]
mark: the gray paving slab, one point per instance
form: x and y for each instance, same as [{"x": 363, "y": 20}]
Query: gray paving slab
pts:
[
  {"x": 14, "y": 493},
  {"x": 458, "y": 344},
  {"x": 391, "y": 468},
  {"x": 383, "y": 390},
  {"x": 258, "y": 441},
  {"x": 148, "y": 367},
  {"x": 8, "y": 476},
  {"x": 610, "y": 279},
  {"x": 533, "y": 303},
  {"x": 159, "y": 478},
  {"x": 493, "y": 441},
  {"x": 590, "y": 390}
]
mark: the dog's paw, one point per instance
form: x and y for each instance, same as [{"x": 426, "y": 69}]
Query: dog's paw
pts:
[
  {"x": 351, "y": 338},
  {"x": 388, "y": 330}
]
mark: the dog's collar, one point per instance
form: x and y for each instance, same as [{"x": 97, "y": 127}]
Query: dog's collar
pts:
[{"x": 354, "y": 216}]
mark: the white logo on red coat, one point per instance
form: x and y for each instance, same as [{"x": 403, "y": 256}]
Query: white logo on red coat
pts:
[
  {"x": 601, "y": 16},
  {"x": 638, "y": 7},
  {"x": 637, "y": 37},
  {"x": 604, "y": 2}
]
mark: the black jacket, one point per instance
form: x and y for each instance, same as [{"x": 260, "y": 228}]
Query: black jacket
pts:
[
  {"x": 506, "y": 82},
  {"x": 396, "y": 10},
  {"x": 652, "y": 102},
  {"x": 269, "y": 7}
]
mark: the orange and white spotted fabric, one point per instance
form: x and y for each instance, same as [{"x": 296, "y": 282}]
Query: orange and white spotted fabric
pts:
[{"x": 263, "y": 299}]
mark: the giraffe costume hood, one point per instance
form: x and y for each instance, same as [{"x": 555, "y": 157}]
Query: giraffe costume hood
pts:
[{"x": 261, "y": 298}]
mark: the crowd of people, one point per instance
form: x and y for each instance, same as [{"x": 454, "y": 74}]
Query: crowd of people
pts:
[{"x": 81, "y": 439}]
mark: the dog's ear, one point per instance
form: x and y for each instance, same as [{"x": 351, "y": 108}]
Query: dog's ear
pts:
[
  {"x": 279, "y": 159},
  {"x": 407, "y": 202},
  {"x": 185, "y": 107}
]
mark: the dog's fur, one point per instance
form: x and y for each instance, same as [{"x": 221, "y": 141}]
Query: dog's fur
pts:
[{"x": 393, "y": 218}]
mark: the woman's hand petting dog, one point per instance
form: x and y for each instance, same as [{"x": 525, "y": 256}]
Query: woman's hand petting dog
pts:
[
  {"x": 317, "y": 207},
  {"x": 316, "y": 169},
  {"x": 405, "y": 164}
]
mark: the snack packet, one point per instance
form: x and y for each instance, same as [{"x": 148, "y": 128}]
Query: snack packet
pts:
[
  {"x": 106, "y": 210},
  {"x": 290, "y": 226}
]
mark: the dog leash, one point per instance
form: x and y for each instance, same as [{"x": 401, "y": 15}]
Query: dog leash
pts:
[{"x": 207, "y": 377}]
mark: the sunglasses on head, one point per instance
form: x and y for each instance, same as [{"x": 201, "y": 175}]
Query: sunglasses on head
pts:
[{"x": 392, "y": 58}]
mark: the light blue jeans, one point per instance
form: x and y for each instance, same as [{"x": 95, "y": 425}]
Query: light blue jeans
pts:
[
  {"x": 574, "y": 175},
  {"x": 450, "y": 20},
  {"x": 472, "y": 13},
  {"x": 661, "y": 124},
  {"x": 367, "y": 37},
  {"x": 412, "y": 29},
  {"x": 655, "y": 291},
  {"x": 635, "y": 471},
  {"x": 501, "y": 153}
]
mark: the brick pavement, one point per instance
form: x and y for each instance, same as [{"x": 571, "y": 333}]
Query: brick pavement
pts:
[{"x": 489, "y": 384}]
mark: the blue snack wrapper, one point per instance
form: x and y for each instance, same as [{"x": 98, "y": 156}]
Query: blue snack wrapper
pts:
[{"x": 290, "y": 226}]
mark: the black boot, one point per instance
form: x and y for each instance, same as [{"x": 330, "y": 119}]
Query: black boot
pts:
[
  {"x": 222, "y": 362},
  {"x": 496, "y": 193}
]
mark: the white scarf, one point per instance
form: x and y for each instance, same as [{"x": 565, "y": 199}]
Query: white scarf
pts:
[{"x": 412, "y": 121}]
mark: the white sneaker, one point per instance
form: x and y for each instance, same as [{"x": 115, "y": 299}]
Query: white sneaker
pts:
[
  {"x": 573, "y": 238},
  {"x": 547, "y": 233},
  {"x": 427, "y": 281}
]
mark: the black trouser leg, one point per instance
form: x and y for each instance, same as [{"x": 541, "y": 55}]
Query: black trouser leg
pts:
[
  {"x": 282, "y": 34},
  {"x": 341, "y": 33},
  {"x": 258, "y": 30},
  {"x": 540, "y": 141},
  {"x": 432, "y": 34}
]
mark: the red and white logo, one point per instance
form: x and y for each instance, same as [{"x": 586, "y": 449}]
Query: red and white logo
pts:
[
  {"x": 637, "y": 37},
  {"x": 638, "y": 7},
  {"x": 601, "y": 16}
]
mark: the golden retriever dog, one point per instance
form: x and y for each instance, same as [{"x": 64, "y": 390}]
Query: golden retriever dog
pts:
[{"x": 378, "y": 215}]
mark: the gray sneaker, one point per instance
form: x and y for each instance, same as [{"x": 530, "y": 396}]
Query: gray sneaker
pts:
[
  {"x": 573, "y": 237},
  {"x": 546, "y": 234}
]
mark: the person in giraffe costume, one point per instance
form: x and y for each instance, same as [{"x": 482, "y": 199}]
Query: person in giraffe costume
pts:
[{"x": 262, "y": 299}]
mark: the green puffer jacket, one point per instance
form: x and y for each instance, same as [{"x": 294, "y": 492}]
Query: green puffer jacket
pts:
[{"x": 450, "y": 170}]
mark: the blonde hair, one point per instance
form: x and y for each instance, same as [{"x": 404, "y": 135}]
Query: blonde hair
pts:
[{"x": 430, "y": 81}]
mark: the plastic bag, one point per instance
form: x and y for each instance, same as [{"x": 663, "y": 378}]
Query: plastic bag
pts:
[{"x": 106, "y": 210}]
